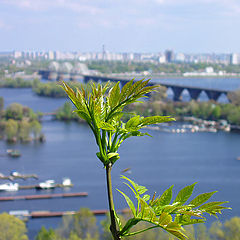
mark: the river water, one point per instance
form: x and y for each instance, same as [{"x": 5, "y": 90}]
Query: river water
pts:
[{"x": 157, "y": 163}]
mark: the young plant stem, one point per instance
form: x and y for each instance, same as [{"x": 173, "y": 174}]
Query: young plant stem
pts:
[{"x": 113, "y": 226}]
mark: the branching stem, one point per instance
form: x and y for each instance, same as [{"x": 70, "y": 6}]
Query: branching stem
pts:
[{"x": 113, "y": 226}]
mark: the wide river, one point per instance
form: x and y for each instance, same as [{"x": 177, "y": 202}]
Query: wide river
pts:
[{"x": 69, "y": 151}]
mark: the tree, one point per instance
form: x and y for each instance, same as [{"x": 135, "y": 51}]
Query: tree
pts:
[
  {"x": 65, "y": 112},
  {"x": 81, "y": 225},
  {"x": 216, "y": 231},
  {"x": 12, "y": 228},
  {"x": 159, "y": 94},
  {"x": 202, "y": 233},
  {"x": 11, "y": 129},
  {"x": 45, "y": 234},
  {"x": 14, "y": 111},
  {"x": 234, "y": 97},
  {"x": 1, "y": 105},
  {"x": 102, "y": 109},
  {"x": 36, "y": 128},
  {"x": 232, "y": 229},
  {"x": 24, "y": 131}
]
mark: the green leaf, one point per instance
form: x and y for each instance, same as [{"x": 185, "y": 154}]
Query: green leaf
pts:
[
  {"x": 132, "y": 122},
  {"x": 173, "y": 226},
  {"x": 113, "y": 157},
  {"x": 138, "y": 189},
  {"x": 164, "y": 219},
  {"x": 114, "y": 95},
  {"x": 130, "y": 223},
  {"x": 106, "y": 126},
  {"x": 166, "y": 197},
  {"x": 99, "y": 155},
  {"x": 118, "y": 220},
  {"x": 155, "y": 119},
  {"x": 185, "y": 194},
  {"x": 193, "y": 221},
  {"x": 178, "y": 234},
  {"x": 129, "y": 202},
  {"x": 146, "y": 197},
  {"x": 202, "y": 198},
  {"x": 211, "y": 204},
  {"x": 83, "y": 115},
  {"x": 125, "y": 90},
  {"x": 192, "y": 213}
]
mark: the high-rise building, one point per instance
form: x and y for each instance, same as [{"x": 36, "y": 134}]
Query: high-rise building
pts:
[
  {"x": 169, "y": 55},
  {"x": 234, "y": 59}
]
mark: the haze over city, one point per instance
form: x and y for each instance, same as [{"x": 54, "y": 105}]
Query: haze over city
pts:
[{"x": 123, "y": 26}]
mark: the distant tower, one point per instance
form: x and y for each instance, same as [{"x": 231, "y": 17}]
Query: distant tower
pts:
[
  {"x": 103, "y": 52},
  {"x": 169, "y": 56},
  {"x": 234, "y": 58}
]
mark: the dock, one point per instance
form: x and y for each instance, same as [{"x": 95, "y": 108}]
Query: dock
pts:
[
  {"x": 35, "y": 186},
  {"x": 24, "y": 177},
  {"x": 44, "y": 196},
  {"x": 24, "y": 214},
  {"x": 47, "y": 214}
]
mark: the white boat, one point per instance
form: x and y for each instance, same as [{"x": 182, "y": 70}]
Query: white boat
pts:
[
  {"x": 46, "y": 185},
  {"x": 66, "y": 182},
  {"x": 15, "y": 174},
  {"x": 9, "y": 187}
]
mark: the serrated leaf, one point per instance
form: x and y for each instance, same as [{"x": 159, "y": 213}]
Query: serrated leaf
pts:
[
  {"x": 111, "y": 155},
  {"x": 192, "y": 213},
  {"x": 178, "y": 234},
  {"x": 173, "y": 226},
  {"x": 166, "y": 197},
  {"x": 141, "y": 189},
  {"x": 83, "y": 115},
  {"x": 202, "y": 198},
  {"x": 129, "y": 202},
  {"x": 106, "y": 126},
  {"x": 155, "y": 119},
  {"x": 130, "y": 223},
  {"x": 184, "y": 194},
  {"x": 138, "y": 188},
  {"x": 114, "y": 95},
  {"x": 164, "y": 219},
  {"x": 146, "y": 197},
  {"x": 132, "y": 122},
  {"x": 125, "y": 90},
  {"x": 211, "y": 204},
  {"x": 193, "y": 221}
]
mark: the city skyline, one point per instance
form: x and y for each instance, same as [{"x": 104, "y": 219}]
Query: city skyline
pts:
[{"x": 123, "y": 26}]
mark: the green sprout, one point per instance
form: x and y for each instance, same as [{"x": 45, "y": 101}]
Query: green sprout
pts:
[{"x": 102, "y": 108}]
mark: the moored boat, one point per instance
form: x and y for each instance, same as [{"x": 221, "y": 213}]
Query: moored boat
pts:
[
  {"x": 9, "y": 187},
  {"x": 49, "y": 184}
]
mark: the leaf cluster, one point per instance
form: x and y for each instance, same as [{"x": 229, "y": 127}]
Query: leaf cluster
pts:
[
  {"x": 102, "y": 108},
  {"x": 163, "y": 212}
]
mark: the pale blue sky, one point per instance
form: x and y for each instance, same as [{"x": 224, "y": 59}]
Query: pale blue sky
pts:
[{"x": 190, "y": 26}]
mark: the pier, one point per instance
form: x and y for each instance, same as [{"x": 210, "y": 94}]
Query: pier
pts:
[
  {"x": 24, "y": 177},
  {"x": 44, "y": 196},
  {"x": 35, "y": 186},
  {"x": 49, "y": 214}
]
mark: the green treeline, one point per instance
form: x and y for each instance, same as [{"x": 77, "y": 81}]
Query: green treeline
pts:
[
  {"x": 16, "y": 83},
  {"x": 155, "y": 67},
  {"x": 51, "y": 89},
  {"x": 83, "y": 226},
  {"x": 203, "y": 110},
  {"x": 18, "y": 122}
]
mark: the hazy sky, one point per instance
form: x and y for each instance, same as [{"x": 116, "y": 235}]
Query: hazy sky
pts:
[{"x": 190, "y": 26}]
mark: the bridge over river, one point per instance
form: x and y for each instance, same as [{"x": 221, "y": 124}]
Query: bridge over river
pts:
[{"x": 194, "y": 92}]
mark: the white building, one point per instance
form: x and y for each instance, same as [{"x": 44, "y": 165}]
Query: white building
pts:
[{"x": 234, "y": 58}]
